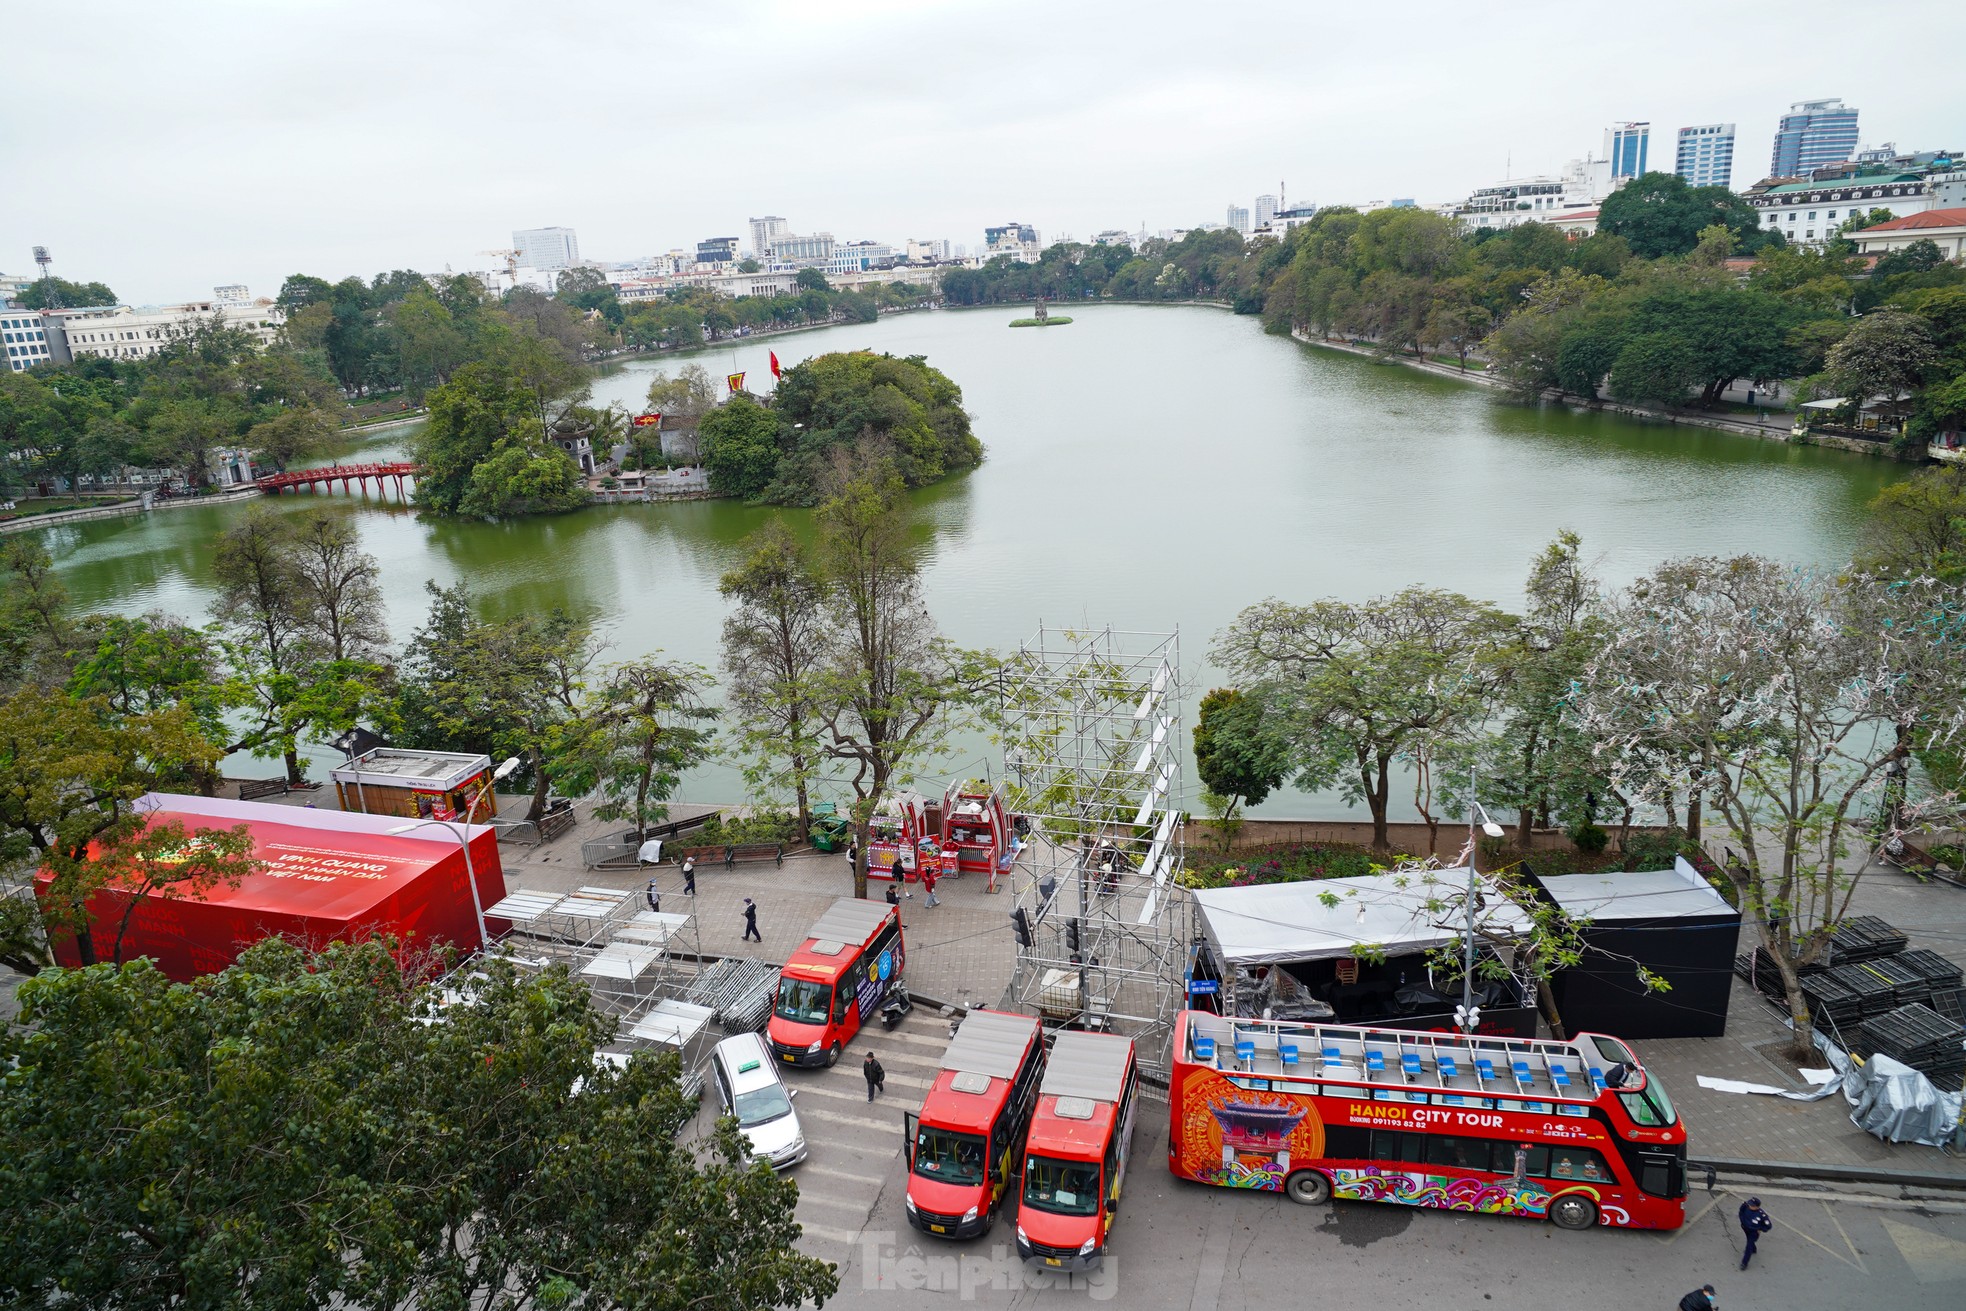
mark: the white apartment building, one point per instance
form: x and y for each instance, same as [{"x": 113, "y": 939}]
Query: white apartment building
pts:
[
  {"x": 859, "y": 256},
  {"x": 546, "y": 249},
  {"x": 26, "y": 338},
  {"x": 765, "y": 231},
  {"x": 235, "y": 293},
  {"x": 122, "y": 333},
  {"x": 1809, "y": 213},
  {"x": 1239, "y": 218},
  {"x": 1266, "y": 208},
  {"x": 814, "y": 251},
  {"x": 936, "y": 251}
]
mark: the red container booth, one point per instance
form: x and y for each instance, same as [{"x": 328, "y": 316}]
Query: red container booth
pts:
[{"x": 323, "y": 876}]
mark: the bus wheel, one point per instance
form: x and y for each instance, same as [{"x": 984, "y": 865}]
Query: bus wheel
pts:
[
  {"x": 832, "y": 1056},
  {"x": 1308, "y": 1187},
  {"x": 1573, "y": 1212}
]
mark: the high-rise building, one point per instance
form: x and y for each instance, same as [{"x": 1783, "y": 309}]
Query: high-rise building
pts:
[
  {"x": 716, "y": 250},
  {"x": 1266, "y": 208},
  {"x": 766, "y": 230},
  {"x": 1239, "y": 218},
  {"x": 1813, "y": 134},
  {"x": 1706, "y": 155},
  {"x": 1625, "y": 146},
  {"x": 546, "y": 249}
]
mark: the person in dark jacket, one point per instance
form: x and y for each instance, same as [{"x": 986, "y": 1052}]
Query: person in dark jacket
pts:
[
  {"x": 876, "y": 1076},
  {"x": 689, "y": 876},
  {"x": 751, "y": 933},
  {"x": 1754, "y": 1223},
  {"x": 1700, "y": 1299},
  {"x": 655, "y": 897}
]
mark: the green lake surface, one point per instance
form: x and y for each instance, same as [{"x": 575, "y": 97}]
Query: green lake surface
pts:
[{"x": 1155, "y": 468}]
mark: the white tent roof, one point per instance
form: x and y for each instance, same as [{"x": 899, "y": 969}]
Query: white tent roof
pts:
[
  {"x": 1398, "y": 914},
  {"x": 1648, "y": 895}
]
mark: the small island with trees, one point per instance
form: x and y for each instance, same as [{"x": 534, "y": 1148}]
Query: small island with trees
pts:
[{"x": 1041, "y": 317}]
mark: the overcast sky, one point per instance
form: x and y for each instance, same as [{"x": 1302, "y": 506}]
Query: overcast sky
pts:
[{"x": 167, "y": 148}]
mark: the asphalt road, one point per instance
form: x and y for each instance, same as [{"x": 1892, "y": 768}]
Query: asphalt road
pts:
[{"x": 1182, "y": 1245}]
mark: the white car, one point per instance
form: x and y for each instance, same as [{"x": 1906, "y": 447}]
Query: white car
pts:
[{"x": 748, "y": 1085}]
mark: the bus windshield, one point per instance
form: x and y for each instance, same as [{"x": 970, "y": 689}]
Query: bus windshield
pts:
[
  {"x": 947, "y": 1156},
  {"x": 1649, "y": 1106},
  {"x": 803, "y": 1001},
  {"x": 1061, "y": 1187}
]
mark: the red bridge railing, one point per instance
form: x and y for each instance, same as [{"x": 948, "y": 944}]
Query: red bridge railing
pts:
[{"x": 325, "y": 478}]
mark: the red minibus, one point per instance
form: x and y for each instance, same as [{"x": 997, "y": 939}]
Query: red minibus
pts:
[
  {"x": 1075, "y": 1154},
  {"x": 835, "y": 982},
  {"x": 964, "y": 1144},
  {"x": 1574, "y": 1132}
]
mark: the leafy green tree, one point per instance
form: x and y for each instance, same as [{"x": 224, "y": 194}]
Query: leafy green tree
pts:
[
  {"x": 289, "y": 437},
  {"x": 69, "y": 770},
  {"x": 513, "y": 687},
  {"x": 647, "y": 725},
  {"x": 691, "y": 394},
  {"x": 739, "y": 443},
  {"x": 51, "y": 293},
  {"x": 1917, "y": 528},
  {"x": 149, "y": 663},
  {"x": 1239, "y": 758},
  {"x": 1885, "y": 352},
  {"x": 891, "y": 686},
  {"x": 811, "y": 280},
  {"x": 841, "y": 401},
  {"x": 1659, "y": 214},
  {"x": 1657, "y": 368},
  {"x": 261, "y": 606},
  {"x": 309, "y": 1131},
  {"x": 774, "y": 645},
  {"x": 1358, "y": 686},
  {"x": 485, "y": 451}
]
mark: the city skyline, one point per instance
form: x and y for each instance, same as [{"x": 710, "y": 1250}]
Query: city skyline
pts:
[{"x": 373, "y": 149}]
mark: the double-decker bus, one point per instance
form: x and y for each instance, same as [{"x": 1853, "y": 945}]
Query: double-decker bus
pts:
[{"x": 1574, "y": 1132}]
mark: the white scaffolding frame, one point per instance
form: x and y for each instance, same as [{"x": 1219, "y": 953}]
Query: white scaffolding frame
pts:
[{"x": 1092, "y": 758}]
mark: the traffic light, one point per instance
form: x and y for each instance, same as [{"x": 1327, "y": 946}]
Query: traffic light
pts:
[
  {"x": 1072, "y": 936},
  {"x": 1020, "y": 926}
]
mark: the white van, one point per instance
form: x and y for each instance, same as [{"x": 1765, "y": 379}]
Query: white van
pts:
[{"x": 747, "y": 1082}]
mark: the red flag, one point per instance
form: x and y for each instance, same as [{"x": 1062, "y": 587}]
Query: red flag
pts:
[{"x": 776, "y": 372}]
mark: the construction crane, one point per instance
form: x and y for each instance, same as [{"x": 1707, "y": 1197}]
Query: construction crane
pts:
[{"x": 511, "y": 258}]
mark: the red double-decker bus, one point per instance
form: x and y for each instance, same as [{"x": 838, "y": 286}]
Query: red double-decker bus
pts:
[{"x": 1574, "y": 1132}]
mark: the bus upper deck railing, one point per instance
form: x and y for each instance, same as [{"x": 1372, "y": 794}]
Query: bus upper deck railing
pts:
[{"x": 1392, "y": 1058}]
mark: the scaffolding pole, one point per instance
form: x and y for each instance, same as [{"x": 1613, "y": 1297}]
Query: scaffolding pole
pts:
[{"x": 1091, "y": 724}]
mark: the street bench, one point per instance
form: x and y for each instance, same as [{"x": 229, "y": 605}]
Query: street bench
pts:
[
  {"x": 559, "y": 817},
  {"x": 747, "y": 851},
  {"x": 701, "y": 855},
  {"x": 254, "y": 789}
]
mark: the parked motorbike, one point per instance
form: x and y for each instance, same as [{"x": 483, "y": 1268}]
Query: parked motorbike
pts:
[{"x": 898, "y": 1004}]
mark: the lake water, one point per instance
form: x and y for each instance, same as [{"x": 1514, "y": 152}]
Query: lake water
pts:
[{"x": 1152, "y": 468}]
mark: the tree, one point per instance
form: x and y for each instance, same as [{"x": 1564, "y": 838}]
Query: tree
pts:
[
  {"x": 773, "y": 647},
  {"x": 739, "y": 444},
  {"x": 1765, "y": 687},
  {"x": 308, "y": 1131},
  {"x": 841, "y": 401},
  {"x": 1659, "y": 214},
  {"x": 1239, "y": 758},
  {"x": 34, "y": 602},
  {"x": 1359, "y": 686},
  {"x": 69, "y": 771},
  {"x": 891, "y": 684},
  {"x": 513, "y": 687},
  {"x": 339, "y": 593},
  {"x": 690, "y": 394},
  {"x": 647, "y": 725},
  {"x": 484, "y": 451},
  {"x": 290, "y": 436},
  {"x": 1885, "y": 352},
  {"x": 811, "y": 280},
  {"x": 1657, "y": 368},
  {"x": 262, "y": 605},
  {"x": 52, "y": 293},
  {"x": 1917, "y": 528},
  {"x": 147, "y": 663}
]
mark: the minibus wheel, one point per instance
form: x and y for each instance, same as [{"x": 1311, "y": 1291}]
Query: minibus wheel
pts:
[
  {"x": 832, "y": 1056},
  {"x": 1308, "y": 1187},
  {"x": 1573, "y": 1211}
]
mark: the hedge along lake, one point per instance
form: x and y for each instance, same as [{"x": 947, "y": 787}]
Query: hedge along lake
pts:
[{"x": 1147, "y": 467}]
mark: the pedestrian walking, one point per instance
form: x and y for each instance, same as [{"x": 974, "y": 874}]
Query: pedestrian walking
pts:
[
  {"x": 1700, "y": 1299},
  {"x": 893, "y": 895},
  {"x": 928, "y": 882},
  {"x": 751, "y": 933},
  {"x": 1754, "y": 1223},
  {"x": 655, "y": 897},
  {"x": 876, "y": 1076},
  {"x": 689, "y": 876}
]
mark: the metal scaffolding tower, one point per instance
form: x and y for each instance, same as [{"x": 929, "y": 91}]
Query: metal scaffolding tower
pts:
[{"x": 1091, "y": 725}]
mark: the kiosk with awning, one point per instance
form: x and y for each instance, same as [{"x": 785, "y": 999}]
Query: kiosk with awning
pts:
[
  {"x": 322, "y": 876},
  {"x": 1359, "y": 947},
  {"x": 1672, "y": 922}
]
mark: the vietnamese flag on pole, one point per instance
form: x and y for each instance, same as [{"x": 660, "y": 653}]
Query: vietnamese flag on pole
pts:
[{"x": 776, "y": 372}]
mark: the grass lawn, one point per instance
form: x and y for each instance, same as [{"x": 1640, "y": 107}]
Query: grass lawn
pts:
[{"x": 28, "y": 507}]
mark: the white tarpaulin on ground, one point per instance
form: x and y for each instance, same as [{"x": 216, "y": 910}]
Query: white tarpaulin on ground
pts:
[{"x": 1399, "y": 914}]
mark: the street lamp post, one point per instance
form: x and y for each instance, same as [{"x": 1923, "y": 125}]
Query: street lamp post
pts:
[
  {"x": 504, "y": 769},
  {"x": 1493, "y": 830}
]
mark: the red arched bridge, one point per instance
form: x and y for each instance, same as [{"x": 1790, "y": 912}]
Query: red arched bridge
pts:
[{"x": 325, "y": 477}]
